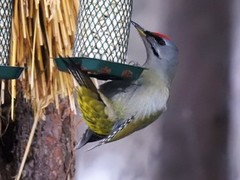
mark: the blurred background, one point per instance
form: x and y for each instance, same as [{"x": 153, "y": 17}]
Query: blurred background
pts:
[{"x": 198, "y": 137}]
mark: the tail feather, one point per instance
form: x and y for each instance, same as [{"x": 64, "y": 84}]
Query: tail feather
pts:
[
  {"x": 92, "y": 104},
  {"x": 80, "y": 76}
]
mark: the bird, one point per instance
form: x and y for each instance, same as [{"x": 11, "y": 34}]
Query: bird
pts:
[{"x": 118, "y": 108}]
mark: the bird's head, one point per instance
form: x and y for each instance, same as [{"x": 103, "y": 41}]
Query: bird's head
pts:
[{"x": 161, "y": 51}]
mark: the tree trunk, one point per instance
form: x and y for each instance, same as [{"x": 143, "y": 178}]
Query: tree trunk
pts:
[{"x": 51, "y": 155}]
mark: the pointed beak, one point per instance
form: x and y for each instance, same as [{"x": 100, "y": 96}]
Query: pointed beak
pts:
[{"x": 140, "y": 30}]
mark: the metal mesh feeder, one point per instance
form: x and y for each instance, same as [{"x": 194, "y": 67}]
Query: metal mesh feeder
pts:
[
  {"x": 6, "y": 72},
  {"x": 101, "y": 40}
]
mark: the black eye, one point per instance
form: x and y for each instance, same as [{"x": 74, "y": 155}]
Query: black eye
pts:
[
  {"x": 160, "y": 40},
  {"x": 157, "y": 38}
]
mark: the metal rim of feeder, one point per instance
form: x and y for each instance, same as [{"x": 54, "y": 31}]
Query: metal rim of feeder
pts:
[
  {"x": 6, "y": 72},
  {"x": 103, "y": 30}
]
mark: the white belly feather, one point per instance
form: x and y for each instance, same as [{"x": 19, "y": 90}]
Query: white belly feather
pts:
[{"x": 143, "y": 102}]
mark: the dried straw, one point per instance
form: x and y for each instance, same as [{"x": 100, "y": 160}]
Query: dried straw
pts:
[{"x": 42, "y": 30}]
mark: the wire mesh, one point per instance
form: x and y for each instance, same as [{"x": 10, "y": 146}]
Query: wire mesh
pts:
[
  {"x": 5, "y": 30},
  {"x": 103, "y": 29}
]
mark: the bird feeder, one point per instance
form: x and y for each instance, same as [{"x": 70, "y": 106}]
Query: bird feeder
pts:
[
  {"x": 6, "y": 72},
  {"x": 101, "y": 40}
]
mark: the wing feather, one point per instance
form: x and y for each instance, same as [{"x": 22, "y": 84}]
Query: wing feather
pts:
[{"x": 92, "y": 106}]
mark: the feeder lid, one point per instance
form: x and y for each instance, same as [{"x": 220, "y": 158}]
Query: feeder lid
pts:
[
  {"x": 10, "y": 72},
  {"x": 103, "y": 70}
]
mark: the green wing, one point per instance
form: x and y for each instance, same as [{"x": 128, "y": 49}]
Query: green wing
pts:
[
  {"x": 95, "y": 107},
  {"x": 94, "y": 111}
]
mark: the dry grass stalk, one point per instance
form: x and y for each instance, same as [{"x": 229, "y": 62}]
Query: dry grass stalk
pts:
[{"x": 41, "y": 30}]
